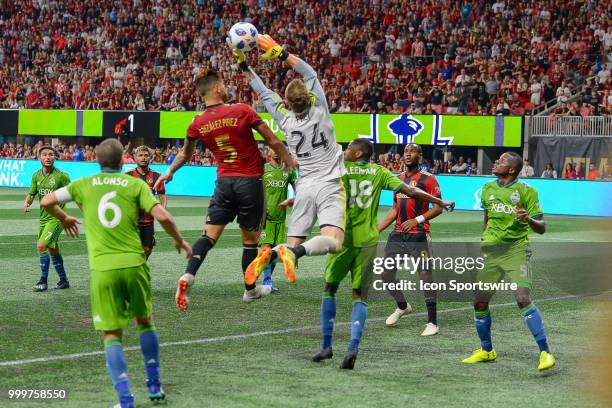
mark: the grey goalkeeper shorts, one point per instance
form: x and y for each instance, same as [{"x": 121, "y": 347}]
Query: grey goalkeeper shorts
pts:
[{"x": 325, "y": 201}]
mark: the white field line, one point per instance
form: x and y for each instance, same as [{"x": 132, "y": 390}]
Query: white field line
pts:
[{"x": 206, "y": 340}]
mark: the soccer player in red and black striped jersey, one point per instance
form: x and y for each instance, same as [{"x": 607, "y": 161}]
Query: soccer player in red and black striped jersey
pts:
[
  {"x": 411, "y": 234},
  {"x": 146, "y": 225},
  {"x": 227, "y": 131}
]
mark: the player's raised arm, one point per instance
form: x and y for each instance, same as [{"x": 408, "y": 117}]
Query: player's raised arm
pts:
[
  {"x": 179, "y": 161},
  {"x": 272, "y": 101},
  {"x": 51, "y": 202},
  {"x": 419, "y": 194},
  {"x": 272, "y": 51}
]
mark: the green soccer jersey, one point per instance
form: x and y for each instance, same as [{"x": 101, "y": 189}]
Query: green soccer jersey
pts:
[
  {"x": 276, "y": 181},
  {"x": 501, "y": 204},
  {"x": 42, "y": 185},
  {"x": 365, "y": 182},
  {"x": 110, "y": 202}
]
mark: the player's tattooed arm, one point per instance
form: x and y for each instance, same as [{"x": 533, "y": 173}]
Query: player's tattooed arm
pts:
[
  {"x": 179, "y": 161},
  {"x": 536, "y": 223},
  {"x": 389, "y": 218},
  {"x": 419, "y": 194}
]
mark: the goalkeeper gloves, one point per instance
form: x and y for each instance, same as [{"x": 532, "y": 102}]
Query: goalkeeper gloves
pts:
[{"x": 271, "y": 48}]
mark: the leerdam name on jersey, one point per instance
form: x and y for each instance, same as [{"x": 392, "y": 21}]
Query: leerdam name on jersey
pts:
[
  {"x": 109, "y": 181},
  {"x": 217, "y": 124},
  {"x": 361, "y": 170}
]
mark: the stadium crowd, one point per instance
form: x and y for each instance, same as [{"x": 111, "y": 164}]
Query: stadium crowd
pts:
[
  {"x": 390, "y": 160},
  {"x": 444, "y": 56}
]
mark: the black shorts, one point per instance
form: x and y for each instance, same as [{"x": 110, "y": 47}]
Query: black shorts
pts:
[
  {"x": 147, "y": 236},
  {"x": 414, "y": 245},
  {"x": 241, "y": 197}
]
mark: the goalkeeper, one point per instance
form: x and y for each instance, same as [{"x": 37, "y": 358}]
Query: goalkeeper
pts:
[{"x": 307, "y": 126}]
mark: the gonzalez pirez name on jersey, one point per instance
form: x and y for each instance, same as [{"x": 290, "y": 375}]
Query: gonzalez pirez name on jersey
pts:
[{"x": 218, "y": 124}]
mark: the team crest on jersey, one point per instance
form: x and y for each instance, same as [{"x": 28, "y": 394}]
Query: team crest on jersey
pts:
[
  {"x": 52, "y": 181},
  {"x": 413, "y": 183},
  {"x": 491, "y": 197},
  {"x": 515, "y": 198},
  {"x": 285, "y": 174}
]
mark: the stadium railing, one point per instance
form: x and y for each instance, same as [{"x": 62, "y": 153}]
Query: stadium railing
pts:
[{"x": 593, "y": 126}]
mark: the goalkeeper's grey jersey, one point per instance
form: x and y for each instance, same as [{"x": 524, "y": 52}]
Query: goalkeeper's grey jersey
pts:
[{"x": 312, "y": 141}]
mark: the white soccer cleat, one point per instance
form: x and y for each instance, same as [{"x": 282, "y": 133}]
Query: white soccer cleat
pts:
[
  {"x": 395, "y": 317},
  {"x": 258, "y": 292},
  {"x": 430, "y": 330}
]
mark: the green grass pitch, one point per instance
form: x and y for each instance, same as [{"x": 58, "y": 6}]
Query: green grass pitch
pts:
[{"x": 224, "y": 353}]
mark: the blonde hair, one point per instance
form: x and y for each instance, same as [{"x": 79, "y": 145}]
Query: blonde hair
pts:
[{"x": 297, "y": 96}]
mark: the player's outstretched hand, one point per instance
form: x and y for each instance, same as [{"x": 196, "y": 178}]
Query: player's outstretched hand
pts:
[
  {"x": 71, "y": 226},
  {"x": 239, "y": 55},
  {"x": 270, "y": 47},
  {"x": 448, "y": 205},
  {"x": 164, "y": 178},
  {"x": 409, "y": 224},
  {"x": 182, "y": 292},
  {"x": 183, "y": 245}
]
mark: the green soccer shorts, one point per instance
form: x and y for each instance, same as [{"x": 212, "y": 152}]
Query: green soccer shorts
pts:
[
  {"x": 49, "y": 232},
  {"x": 511, "y": 263},
  {"x": 357, "y": 261},
  {"x": 273, "y": 234},
  {"x": 118, "y": 295}
]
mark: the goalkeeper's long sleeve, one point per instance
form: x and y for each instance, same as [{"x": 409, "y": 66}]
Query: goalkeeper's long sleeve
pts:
[{"x": 271, "y": 100}]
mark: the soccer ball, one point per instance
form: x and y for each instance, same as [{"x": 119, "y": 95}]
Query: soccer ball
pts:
[{"x": 243, "y": 36}]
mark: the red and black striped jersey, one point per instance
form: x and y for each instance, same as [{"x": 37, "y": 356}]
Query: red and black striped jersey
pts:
[
  {"x": 408, "y": 207},
  {"x": 150, "y": 177}
]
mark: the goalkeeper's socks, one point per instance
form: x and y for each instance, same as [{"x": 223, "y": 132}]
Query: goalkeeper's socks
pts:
[
  {"x": 117, "y": 367},
  {"x": 482, "y": 319},
  {"x": 58, "y": 264},
  {"x": 149, "y": 345},
  {"x": 200, "y": 249},
  {"x": 358, "y": 318},
  {"x": 534, "y": 321},
  {"x": 45, "y": 261},
  {"x": 328, "y": 315}
]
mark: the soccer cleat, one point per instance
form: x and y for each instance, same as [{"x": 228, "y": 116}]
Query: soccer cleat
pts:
[
  {"x": 324, "y": 354},
  {"x": 182, "y": 292},
  {"x": 547, "y": 360},
  {"x": 62, "y": 284},
  {"x": 430, "y": 329},
  {"x": 41, "y": 286},
  {"x": 156, "y": 393},
  {"x": 256, "y": 293},
  {"x": 349, "y": 360},
  {"x": 125, "y": 402},
  {"x": 288, "y": 257},
  {"x": 258, "y": 265},
  {"x": 481, "y": 356},
  {"x": 395, "y": 317}
]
